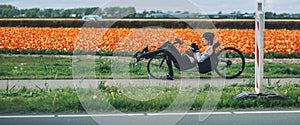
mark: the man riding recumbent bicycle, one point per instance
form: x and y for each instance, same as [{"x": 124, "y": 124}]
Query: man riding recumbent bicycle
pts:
[{"x": 228, "y": 62}]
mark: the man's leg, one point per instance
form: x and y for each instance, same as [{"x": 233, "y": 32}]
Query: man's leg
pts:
[{"x": 170, "y": 75}]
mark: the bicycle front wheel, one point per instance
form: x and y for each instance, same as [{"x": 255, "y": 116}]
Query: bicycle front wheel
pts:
[
  {"x": 231, "y": 63},
  {"x": 157, "y": 66}
]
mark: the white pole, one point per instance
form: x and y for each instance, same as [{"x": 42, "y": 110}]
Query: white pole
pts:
[{"x": 259, "y": 45}]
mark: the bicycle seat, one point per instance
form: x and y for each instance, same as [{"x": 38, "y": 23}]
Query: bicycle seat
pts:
[{"x": 190, "y": 53}]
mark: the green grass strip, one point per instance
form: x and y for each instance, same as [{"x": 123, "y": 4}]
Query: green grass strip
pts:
[
  {"x": 106, "y": 98},
  {"x": 62, "y": 67}
]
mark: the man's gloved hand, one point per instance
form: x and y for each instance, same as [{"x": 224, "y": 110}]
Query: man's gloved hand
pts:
[{"x": 195, "y": 47}]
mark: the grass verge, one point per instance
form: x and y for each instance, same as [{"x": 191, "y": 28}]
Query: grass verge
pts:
[
  {"x": 57, "y": 67},
  {"x": 106, "y": 98}
]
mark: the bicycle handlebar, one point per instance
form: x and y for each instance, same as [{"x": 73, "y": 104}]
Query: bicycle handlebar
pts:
[{"x": 178, "y": 41}]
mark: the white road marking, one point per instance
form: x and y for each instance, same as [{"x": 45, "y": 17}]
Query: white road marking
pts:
[
  {"x": 99, "y": 115},
  {"x": 194, "y": 113},
  {"x": 29, "y": 116},
  {"x": 147, "y": 114},
  {"x": 264, "y": 112}
]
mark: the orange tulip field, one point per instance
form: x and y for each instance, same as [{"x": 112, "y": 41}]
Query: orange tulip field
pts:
[{"x": 68, "y": 39}]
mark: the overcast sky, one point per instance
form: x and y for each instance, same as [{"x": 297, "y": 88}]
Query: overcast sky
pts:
[{"x": 203, "y": 6}]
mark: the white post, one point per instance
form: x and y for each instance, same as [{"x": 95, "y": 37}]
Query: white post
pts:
[{"x": 259, "y": 45}]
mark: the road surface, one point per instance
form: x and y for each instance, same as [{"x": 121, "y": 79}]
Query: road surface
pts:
[{"x": 216, "y": 118}]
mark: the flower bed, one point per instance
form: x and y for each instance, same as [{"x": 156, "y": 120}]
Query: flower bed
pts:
[{"x": 65, "y": 40}]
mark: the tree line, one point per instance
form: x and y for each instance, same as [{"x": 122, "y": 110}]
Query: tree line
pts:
[{"x": 9, "y": 11}]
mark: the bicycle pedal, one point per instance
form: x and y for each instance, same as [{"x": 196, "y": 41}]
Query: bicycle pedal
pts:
[{"x": 138, "y": 59}]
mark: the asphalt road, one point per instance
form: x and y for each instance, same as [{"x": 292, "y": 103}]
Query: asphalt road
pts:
[
  {"x": 216, "y": 118},
  {"x": 94, "y": 82}
]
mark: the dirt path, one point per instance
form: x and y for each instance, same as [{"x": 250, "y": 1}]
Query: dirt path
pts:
[
  {"x": 132, "y": 82},
  {"x": 281, "y": 61}
]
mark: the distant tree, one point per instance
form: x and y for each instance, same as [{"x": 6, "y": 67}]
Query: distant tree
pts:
[
  {"x": 270, "y": 15},
  {"x": 66, "y": 13},
  {"x": 9, "y": 12},
  {"x": 234, "y": 12},
  {"x": 109, "y": 12},
  {"x": 48, "y": 12},
  {"x": 185, "y": 12},
  {"x": 56, "y": 13},
  {"x": 94, "y": 10},
  {"x": 99, "y": 12},
  {"x": 32, "y": 13},
  {"x": 145, "y": 12},
  {"x": 128, "y": 11},
  {"x": 7, "y": 7},
  {"x": 118, "y": 12},
  {"x": 70, "y": 12},
  {"x": 284, "y": 15}
]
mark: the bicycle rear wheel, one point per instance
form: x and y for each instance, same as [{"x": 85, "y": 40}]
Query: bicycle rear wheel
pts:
[
  {"x": 231, "y": 63},
  {"x": 157, "y": 66}
]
